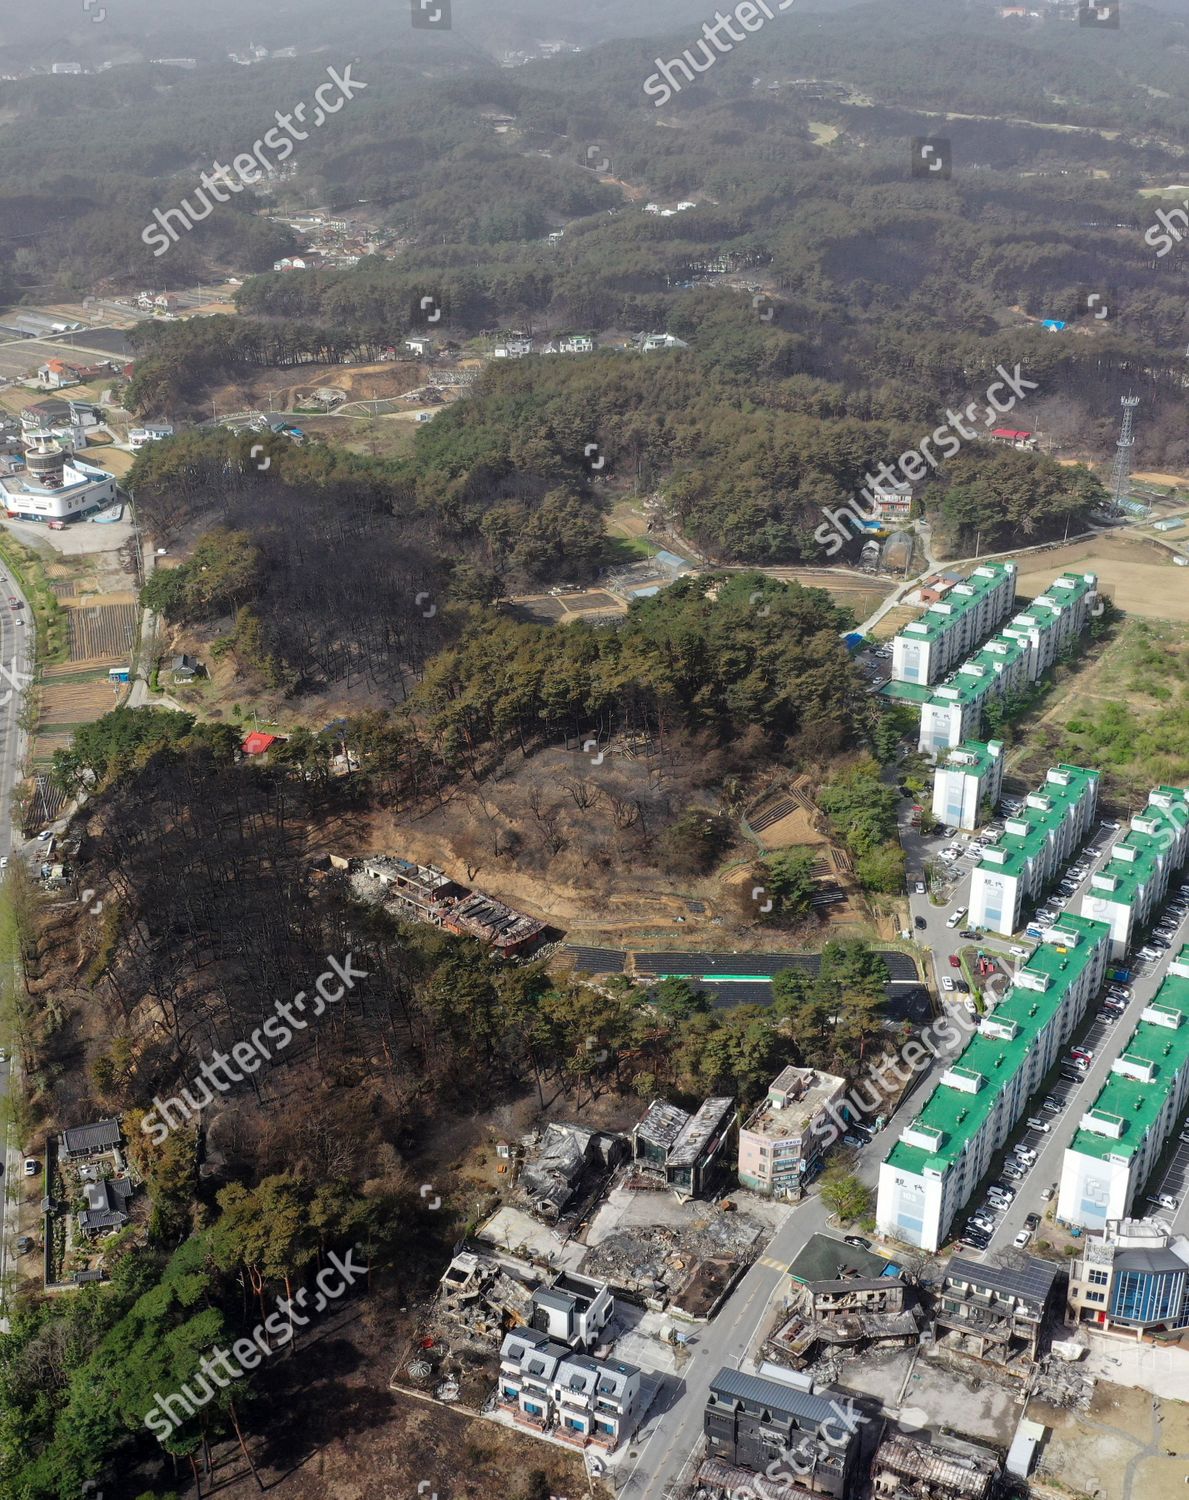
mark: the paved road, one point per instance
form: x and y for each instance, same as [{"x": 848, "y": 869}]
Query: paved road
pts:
[
  {"x": 16, "y": 648},
  {"x": 667, "y": 1438}
]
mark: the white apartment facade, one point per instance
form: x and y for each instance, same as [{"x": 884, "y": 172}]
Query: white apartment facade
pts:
[
  {"x": 1008, "y": 662},
  {"x": 1129, "y": 887},
  {"x": 950, "y": 629},
  {"x": 968, "y": 780},
  {"x": 1121, "y": 1137},
  {"x": 947, "y": 1150},
  {"x": 1036, "y": 842}
]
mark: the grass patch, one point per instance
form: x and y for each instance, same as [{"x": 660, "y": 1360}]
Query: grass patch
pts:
[{"x": 50, "y": 619}]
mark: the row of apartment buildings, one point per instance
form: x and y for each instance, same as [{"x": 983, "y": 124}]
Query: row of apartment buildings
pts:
[
  {"x": 1121, "y": 1136},
  {"x": 948, "y": 631},
  {"x": 1035, "y": 844},
  {"x": 1129, "y": 887},
  {"x": 943, "y": 1155},
  {"x": 1025, "y": 648}
]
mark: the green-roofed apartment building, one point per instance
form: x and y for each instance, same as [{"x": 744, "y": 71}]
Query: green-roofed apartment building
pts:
[
  {"x": 1126, "y": 891},
  {"x": 1025, "y": 648},
  {"x": 968, "y": 783},
  {"x": 943, "y": 1155},
  {"x": 1121, "y": 1137},
  {"x": 949, "y": 630},
  {"x": 1036, "y": 843}
]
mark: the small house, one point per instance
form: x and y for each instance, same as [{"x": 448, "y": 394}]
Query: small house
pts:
[{"x": 185, "y": 668}]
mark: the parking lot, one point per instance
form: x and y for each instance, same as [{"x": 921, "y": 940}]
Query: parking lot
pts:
[{"x": 1106, "y": 1028}]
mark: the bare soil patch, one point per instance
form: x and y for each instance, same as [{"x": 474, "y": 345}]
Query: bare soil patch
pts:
[{"x": 1139, "y": 576}]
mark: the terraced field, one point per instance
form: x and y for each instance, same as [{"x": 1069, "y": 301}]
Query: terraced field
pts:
[{"x": 75, "y": 702}]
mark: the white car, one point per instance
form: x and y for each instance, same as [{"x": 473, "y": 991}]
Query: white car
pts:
[
  {"x": 1022, "y": 1238},
  {"x": 947, "y": 983},
  {"x": 1018, "y": 952},
  {"x": 1026, "y": 1154},
  {"x": 3, "y": 1055},
  {"x": 3, "y": 861},
  {"x": 1036, "y": 1123},
  {"x": 920, "y": 887}
]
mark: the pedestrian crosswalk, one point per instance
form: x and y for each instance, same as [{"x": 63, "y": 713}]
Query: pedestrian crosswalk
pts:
[{"x": 773, "y": 1265}]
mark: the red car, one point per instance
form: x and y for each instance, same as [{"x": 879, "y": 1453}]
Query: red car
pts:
[{"x": 955, "y": 961}]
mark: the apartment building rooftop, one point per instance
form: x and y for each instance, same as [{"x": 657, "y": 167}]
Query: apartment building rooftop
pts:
[
  {"x": 1136, "y": 854},
  {"x": 794, "y": 1098},
  {"x": 972, "y": 756},
  {"x": 1044, "y": 810},
  {"x": 978, "y": 674},
  {"x": 940, "y": 618},
  {"x": 1131, "y": 1101},
  {"x": 969, "y": 1088}
]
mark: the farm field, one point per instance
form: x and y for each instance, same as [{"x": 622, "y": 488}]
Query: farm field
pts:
[
  {"x": 102, "y": 632},
  {"x": 1139, "y": 576}
]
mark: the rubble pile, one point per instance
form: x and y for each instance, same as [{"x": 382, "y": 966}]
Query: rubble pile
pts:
[
  {"x": 657, "y": 1260},
  {"x": 478, "y": 1301},
  {"x": 1061, "y": 1384}
]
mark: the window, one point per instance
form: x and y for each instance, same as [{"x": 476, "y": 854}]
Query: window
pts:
[
  {"x": 1095, "y": 1296},
  {"x": 1098, "y": 1278}
]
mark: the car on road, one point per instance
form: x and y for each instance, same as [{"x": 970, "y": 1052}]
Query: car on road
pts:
[
  {"x": 968, "y": 933},
  {"x": 31, "y": 1166},
  {"x": 920, "y": 887},
  {"x": 1032, "y": 1221},
  {"x": 1017, "y": 952},
  {"x": 1036, "y": 1123},
  {"x": 947, "y": 984},
  {"x": 13, "y": 602},
  {"x": 856, "y": 1239},
  {"x": 919, "y": 922},
  {"x": 955, "y": 961},
  {"x": 46, "y": 833},
  {"x": 1022, "y": 1238}
]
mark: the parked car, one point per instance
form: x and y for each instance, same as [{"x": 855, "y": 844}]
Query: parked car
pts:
[
  {"x": 32, "y": 1166},
  {"x": 950, "y": 832},
  {"x": 1159, "y": 943},
  {"x": 920, "y": 887},
  {"x": 1017, "y": 952},
  {"x": 857, "y": 1239},
  {"x": 1165, "y": 1200},
  {"x": 968, "y": 933},
  {"x": 1083, "y": 1052},
  {"x": 1053, "y": 1105},
  {"x": 1022, "y": 1238},
  {"x": 1026, "y": 1153},
  {"x": 1048, "y": 1194},
  {"x": 947, "y": 984},
  {"x": 1036, "y": 1123},
  {"x": 961, "y": 986},
  {"x": 955, "y": 961},
  {"x": 1032, "y": 1221},
  {"x": 851, "y": 1140},
  {"x": 3, "y": 1055},
  {"x": 919, "y": 922}
]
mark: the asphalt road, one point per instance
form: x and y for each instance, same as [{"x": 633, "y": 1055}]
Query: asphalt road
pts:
[{"x": 17, "y": 643}]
